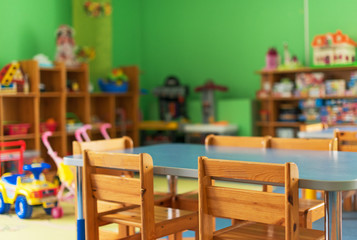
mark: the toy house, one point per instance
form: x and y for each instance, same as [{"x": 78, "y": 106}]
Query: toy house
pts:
[{"x": 333, "y": 48}]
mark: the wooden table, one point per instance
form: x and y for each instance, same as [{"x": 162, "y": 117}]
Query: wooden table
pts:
[{"x": 332, "y": 172}]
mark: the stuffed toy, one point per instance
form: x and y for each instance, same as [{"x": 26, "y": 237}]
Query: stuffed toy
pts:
[{"x": 66, "y": 46}]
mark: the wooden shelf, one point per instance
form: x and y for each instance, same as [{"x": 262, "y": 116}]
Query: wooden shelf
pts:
[
  {"x": 311, "y": 69},
  {"x": 50, "y": 94},
  {"x": 19, "y": 137},
  {"x": 103, "y": 94},
  {"x": 51, "y": 69},
  {"x": 272, "y": 104},
  {"x": 18, "y": 95},
  {"x": 75, "y": 94}
]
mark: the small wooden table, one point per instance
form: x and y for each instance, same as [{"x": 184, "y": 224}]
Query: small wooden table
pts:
[{"x": 332, "y": 172}]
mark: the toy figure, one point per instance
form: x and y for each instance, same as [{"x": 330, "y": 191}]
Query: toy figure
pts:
[
  {"x": 65, "y": 46},
  {"x": 208, "y": 101},
  {"x": 272, "y": 59}
]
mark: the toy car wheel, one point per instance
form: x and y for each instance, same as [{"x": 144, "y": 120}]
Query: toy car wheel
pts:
[
  {"x": 49, "y": 210},
  {"x": 4, "y": 207},
  {"x": 57, "y": 212},
  {"x": 22, "y": 208}
]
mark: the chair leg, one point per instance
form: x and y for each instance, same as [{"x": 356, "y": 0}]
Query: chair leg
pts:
[
  {"x": 176, "y": 236},
  {"x": 123, "y": 231},
  {"x": 347, "y": 204}
]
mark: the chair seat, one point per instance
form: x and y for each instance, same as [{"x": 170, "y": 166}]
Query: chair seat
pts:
[
  {"x": 260, "y": 231},
  {"x": 132, "y": 216}
]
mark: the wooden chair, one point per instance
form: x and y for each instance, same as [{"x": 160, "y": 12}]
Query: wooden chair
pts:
[
  {"x": 310, "y": 209},
  {"x": 136, "y": 194},
  {"x": 347, "y": 142},
  {"x": 263, "y": 212},
  {"x": 313, "y": 127},
  {"x": 189, "y": 200},
  {"x": 125, "y": 142}
]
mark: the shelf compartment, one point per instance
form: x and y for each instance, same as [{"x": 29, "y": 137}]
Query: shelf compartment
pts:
[
  {"x": 53, "y": 108},
  {"x": 19, "y": 95},
  {"x": 20, "y": 110},
  {"x": 79, "y": 106}
]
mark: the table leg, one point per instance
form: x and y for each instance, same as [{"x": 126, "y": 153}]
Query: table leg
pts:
[
  {"x": 333, "y": 215},
  {"x": 80, "y": 220}
]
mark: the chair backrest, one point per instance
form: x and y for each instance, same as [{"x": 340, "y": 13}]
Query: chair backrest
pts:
[
  {"x": 236, "y": 141},
  {"x": 103, "y": 186},
  {"x": 346, "y": 141},
  {"x": 257, "y": 206},
  {"x": 303, "y": 144},
  {"x": 103, "y": 145},
  {"x": 313, "y": 127}
]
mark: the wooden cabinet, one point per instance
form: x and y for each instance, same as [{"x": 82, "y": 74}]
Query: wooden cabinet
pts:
[
  {"x": 270, "y": 104},
  {"x": 36, "y": 107}
]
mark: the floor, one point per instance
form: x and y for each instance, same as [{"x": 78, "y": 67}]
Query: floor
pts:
[{"x": 43, "y": 227}]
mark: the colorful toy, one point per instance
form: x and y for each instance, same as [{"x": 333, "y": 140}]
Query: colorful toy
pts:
[
  {"x": 12, "y": 79},
  {"x": 116, "y": 81},
  {"x": 172, "y": 99},
  {"x": 333, "y": 48},
  {"x": 65, "y": 175},
  {"x": 208, "y": 100},
  {"x": 66, "y": 46},
  {"x": 25, "y": 191},
  {"x": 289, "y": 62},
  {"x": 97, "y": 9},
  {"x": 43, "y": 60},
  {"x": 85, "y": 54},
  {"x": 284, "y": 88}
]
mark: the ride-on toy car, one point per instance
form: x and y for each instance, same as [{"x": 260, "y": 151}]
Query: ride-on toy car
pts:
[{"x": 27, "y": 191}]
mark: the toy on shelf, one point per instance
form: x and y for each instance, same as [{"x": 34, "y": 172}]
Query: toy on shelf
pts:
[
  {"x": 352, "y": 85},
  {"x": 22, "y": 190},
  {"x": 310, "y": 84},
  {"x": 49, "y": 125},
  {"x": 333, "y": 49},
  {"x": 72, "y": 122},
  {"x": 289, "y": 62},
  {"x": 43, "y": 60},
  {"x": 14, "y": 128},
  {"x": 335, "y": 87},
  {"x": 66, "y": 46},
  {"x": 117, "y": 81},
  {"x": 272, "y": 59},
  {"x": 85, "y": 54},
  {"x": 12, "y": 79},
  {"x": 284, "y": 88},
  {"x": 66, "y": 176},
  {"x": 208, "y": 100},
  {"x": 172, "y": 99}
]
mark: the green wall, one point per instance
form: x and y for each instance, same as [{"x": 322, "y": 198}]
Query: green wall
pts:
[{"x": 28, "y": 27}]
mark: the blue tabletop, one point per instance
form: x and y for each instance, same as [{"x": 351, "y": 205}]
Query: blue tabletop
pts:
[{"x": 330, "y": 171}]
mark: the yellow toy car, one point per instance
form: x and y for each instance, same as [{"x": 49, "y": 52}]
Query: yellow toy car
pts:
[{"x": 27, "y": 191}]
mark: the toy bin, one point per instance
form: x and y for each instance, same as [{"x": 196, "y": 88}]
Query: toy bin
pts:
[
  {"x": 45, "y": 126},
  {"x": 16, "y": 129},
  {"x": 113, "y": 87}
]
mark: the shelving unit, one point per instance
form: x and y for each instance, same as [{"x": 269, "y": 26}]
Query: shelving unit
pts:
[
  {"x": 36, "y": 107},
  {"x": 272, "y": 103}
]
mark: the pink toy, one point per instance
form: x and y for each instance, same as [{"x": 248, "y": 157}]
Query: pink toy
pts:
[
  {"x": 81, "y": 134},
  {"x": 103, "y": 130},
  {"x": 272, "y": 59},
  {"x": 65, "y": 175}
]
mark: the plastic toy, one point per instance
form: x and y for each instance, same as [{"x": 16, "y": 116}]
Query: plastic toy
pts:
[
  {"x": 81, "y": 134},
  {"x": 208, "y": 100},
  {"x": 272, "y": 59},
  {"x": 22, "y": 190},
  {"x": 172, "y": 99},
  {"x": 116, "y": 81},
  {"x": 333, "y": 48},
  {"x": 43, "y": 60},
  {"x": 64, "y": 173},
  {"x": 289, "y": 62},
  {"x": 12, "y": 79}
]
